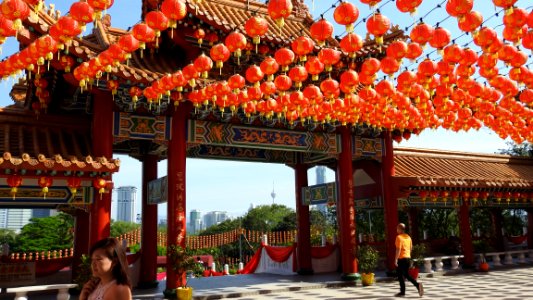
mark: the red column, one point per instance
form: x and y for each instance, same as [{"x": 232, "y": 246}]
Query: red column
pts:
[
  {"x": 345, "y": 207},
  {"x": 390, "y": 202},
  {"x": 303, "y": 254},
  {"x": 81, "y": 242},
  {"x": 148, "y": 276},
  {"x": 102, "y": 137},
  {"x": 530, "y": 228},
  {"x": 177, "y": 154},
  {"x": 466, "y": 234}
]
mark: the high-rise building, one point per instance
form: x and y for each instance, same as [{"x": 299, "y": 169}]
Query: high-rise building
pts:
[
  {"x": 3, "y": 218},
  {"x": 15, "y": 218},
  {"x": 195, "y": 221},
  {"x": 321, "y": 179},
  {"x": 214, "y": 218},
  {"x": 126, "y": 196},
  {"x": 40, "y": 213}
]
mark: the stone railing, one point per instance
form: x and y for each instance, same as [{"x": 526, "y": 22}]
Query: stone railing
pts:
[
  {"x": 508, "y": 256},
  {"x": 42, "y": 255},
  {"x": 21, "y": 293},
  {"x": 435, "y": 264}
]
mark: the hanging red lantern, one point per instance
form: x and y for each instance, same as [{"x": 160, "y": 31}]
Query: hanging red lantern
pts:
[
  {"x": 256, "y": 27},
  {"x": 458, "y": 8},
  {"x": 389, "y": 65},
  {"x": 190, "y": 73},
  {"x": 370, "y": 3},
  {"x": 421, "y": 33},
  {"x": 220, "y": 54},
  {"x": 14, "y": 181},
  {"x": 279, "y": 10},
  {"x": 235, "y": 43},
  {"x": 199, "y": 35},
  {"x": 321, "y": 31},
  {"x": 158, "y": 22},
  {"x": 298, "y": 75},
  {"x": 68, "y": 26},
  {"x": 370, "y": 66},
  {"x": 440, "y": 38},
  {"x": 269, "y": 66},
  {"x": 330, "y": 88},
  {"x": 74, "y": 184},
  {"x": 283, "y": 83},
  {"x": 414, "y": 50},
  {"x": 505, "y": 4},
  {"x": 453, "y": 53},
  {"x": 284, "y": 57},
  {"x": 128, "y": 43},
  {"x": 99, "y": 6},
  {"x": 527, "y": 40},
  {"x": 470, "y": 21},
  {"x": 397, "y": 50},
  {"x": 236, "y": 82},
  {"x": 6, "y": 28},
  {"x": 485, "y": 36},
  {"x": 82, "y": 12},
  {"x": 314, "y": 67},
  {"x": 254, "y": 75},
  {"x": 135, "y": 92},
  {"x": 351, "y": 43},
  {"x": 100, "y": 184},
  {"x": 174, "y": 10},
  {"x": 517, "y": 18},
  {"x": 409, "y": 6},
  {"x": 350, "y": 79},
  {"x": 203, "y": 64},
  {"x": 378, "y": 25},
  {"x": 346, "y": 14},
  {"x": 45, "y": 182},
  {"x": 302, "y": 46},
  {"x": 16, "y": 11},
  {"x": 143, "y": 33},
  {"x": 329, "y": 57}
]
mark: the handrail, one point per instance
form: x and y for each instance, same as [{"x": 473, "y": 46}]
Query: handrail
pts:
[{"x": 62, "y": 294}]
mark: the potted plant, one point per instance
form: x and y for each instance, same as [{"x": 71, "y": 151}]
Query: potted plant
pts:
[
  {"x": 368, "y": 260},
  {"x": 417, "y": 259},
  {"x": 481, "y": 247},
  {"x": 84, "y": 273},
  {"x": 182, "y": 262}
]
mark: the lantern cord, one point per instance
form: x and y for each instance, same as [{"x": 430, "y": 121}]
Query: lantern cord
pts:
[{"x": 424, "y": 16}]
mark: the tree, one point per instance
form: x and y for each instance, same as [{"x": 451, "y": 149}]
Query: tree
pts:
[
  {"x": 8, "y": 236},
  {"x": 266, "y": 217},
  {"x": 439, "y": 222},
  {"x": 50, "y": 233},
  {"x": 525, "y": 149},
  {"x": 227, "y": 225},
  {"x": 122, "y": 227}
]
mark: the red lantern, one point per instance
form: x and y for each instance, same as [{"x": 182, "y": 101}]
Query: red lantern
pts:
[
  {"x": 255, "y": 28},
  {"x": 440, "y": 38},
  {"x": 16, "y": 11},
  {"x": 45, "y": 182},
  {"x": 409, "y": 6},
  {"x": 421, "y": 33},
  {"x": 414, "y": 50},
  {"x": 68, "y": 26},
  {"x": 203, "y": 64},
  {"x": 236, "y": 82},
  {"x": 158, "y": 22},
  {"x": 279, "y": 10},
  {"x": 302, "y": 46},
  {"x": 321, "y": 30},
  {"x": 254, "y": 75},
  {"x": 298, "y": 75},
  {"x": 14, "y": 181},
  {"x": 350, "y": 79},
  {"x": 330, "y": 88},
  {"x": 457, "y": 8},
  {"x": 329, "y": 57},
  {"x": 351, "y": 43},
  {"x": 283, "y": 83},
  {"x": 100, "y": 184},
  {"x": 346, "y": 14},
  {"x": 74, "y": 184},
  {"x": 284, "y": 57},
  {"x": 485, "y": 36},
  {"x": 236, "y": 42},
  {"x": 389, "y": 65},
  {"x": 128, "y": 43},
  {"x": 6, "y": 27},
  {"x": 174, "y": 10},
  {"x": 100, "y": 5},
  {"x": 82, "y": 12},
  {"x": 190, "y": 73},
  {"x": 470, "y": 21},
  {"x": 378, "y": 25},
  {"x": 397, "y": 49},
  {"x": 370, "y": 66},
  {"x": 314, "y": 67},
  {"x": 269, "y": 66},
  {"x": 505, "y": 4},
  {"x": 143, "y": 33},
  {"x": 370, "y": 3},
  {"x": 219, "y": 53}
]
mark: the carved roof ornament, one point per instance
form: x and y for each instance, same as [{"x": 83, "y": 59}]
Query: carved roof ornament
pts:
[{"x": 300, "y": 9}]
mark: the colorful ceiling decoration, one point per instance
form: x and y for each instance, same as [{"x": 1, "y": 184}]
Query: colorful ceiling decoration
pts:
[{"x": 423, "y": 79}]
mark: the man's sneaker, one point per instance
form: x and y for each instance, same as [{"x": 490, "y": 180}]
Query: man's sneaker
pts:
[
  {"x": 420, "y": 289},
  {"x": 400, "y": 295}
]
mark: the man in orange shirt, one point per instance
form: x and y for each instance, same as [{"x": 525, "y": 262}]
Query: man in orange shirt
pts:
[{"x": 403, "y": 260}]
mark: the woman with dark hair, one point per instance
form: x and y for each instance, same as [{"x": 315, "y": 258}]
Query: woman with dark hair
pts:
[{"x": 110, "y": 272}]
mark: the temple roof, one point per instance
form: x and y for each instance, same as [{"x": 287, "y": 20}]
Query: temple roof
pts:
[
  {"x": 48, "y": 143},
  {"x": 437, "y": 168}
]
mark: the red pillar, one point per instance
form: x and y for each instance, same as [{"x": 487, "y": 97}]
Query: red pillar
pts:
[
  {"x": 466, "y": 234},
  {"x": 303, "y": 254},
  {"x": 390, "y": 209},
  {"x": 176, "y": 215},
  {"x": 81, "y": 242},
  {"x": 148, "y": 276},
  {"x": 102, "y": 137},
  {"x": 530, "y": 228},
  {"x": 345, "y": 207}
]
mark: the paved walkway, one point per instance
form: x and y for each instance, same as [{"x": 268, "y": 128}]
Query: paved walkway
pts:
[{"x": 502, "y": 284}]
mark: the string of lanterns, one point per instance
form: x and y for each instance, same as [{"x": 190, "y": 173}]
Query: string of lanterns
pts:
[{"x": 439, "y": 93}]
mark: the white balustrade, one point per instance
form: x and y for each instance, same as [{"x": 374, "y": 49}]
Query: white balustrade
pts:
[
  {"x": 21, "y": 293},
  {"x": 439, "y": 265},
  {"x": 520, "y": 255}
]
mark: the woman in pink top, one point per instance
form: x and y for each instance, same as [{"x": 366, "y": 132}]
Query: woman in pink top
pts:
[{"x": 110, "y": 272}]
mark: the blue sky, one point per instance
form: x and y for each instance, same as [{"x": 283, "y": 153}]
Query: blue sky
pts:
[{"x": 233, "y": 186}]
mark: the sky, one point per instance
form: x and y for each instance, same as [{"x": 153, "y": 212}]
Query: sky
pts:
[{"x": 233, "y": 186}]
